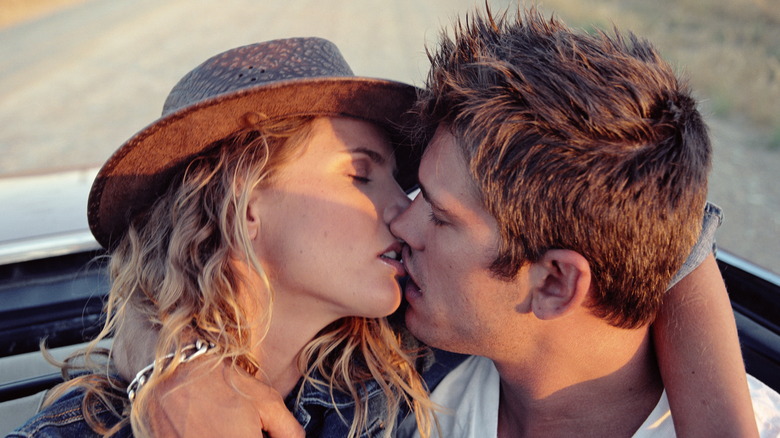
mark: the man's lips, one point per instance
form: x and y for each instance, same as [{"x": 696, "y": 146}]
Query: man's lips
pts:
[{"x": 411, "y": 289}]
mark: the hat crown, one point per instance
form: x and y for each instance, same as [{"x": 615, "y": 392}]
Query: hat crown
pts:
[{"x": 255, "y": 65}]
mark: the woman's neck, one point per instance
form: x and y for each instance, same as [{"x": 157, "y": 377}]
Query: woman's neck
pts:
[
  {"x": 278, "y": 355},
  {"x": 293, "y": 324},
  {"x": 290, "y": 329}
]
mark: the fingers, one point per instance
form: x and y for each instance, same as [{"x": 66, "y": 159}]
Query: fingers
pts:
[
  {"x": 277, "y": 421},
  {"x": 201, "y": 400},
  {"x": 281, "y": 426}
]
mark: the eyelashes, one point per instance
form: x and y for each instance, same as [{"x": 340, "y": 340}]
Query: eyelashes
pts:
[
  {"x": 360, "y": 179},
  {"x": 436, "y": 221}
]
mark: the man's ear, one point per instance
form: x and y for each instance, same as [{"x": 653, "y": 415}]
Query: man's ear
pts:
[{"x": 560, "y": 282}]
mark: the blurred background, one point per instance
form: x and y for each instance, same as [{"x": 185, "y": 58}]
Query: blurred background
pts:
[{"x": 78, "y": 77}]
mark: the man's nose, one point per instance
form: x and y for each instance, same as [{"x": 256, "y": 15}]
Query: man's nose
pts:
[
  {"x": 397, "y": 205},
  {"x": 403, "y": 226}
]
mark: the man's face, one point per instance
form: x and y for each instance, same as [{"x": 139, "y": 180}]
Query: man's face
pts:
[{"x": 455, "y": 302}]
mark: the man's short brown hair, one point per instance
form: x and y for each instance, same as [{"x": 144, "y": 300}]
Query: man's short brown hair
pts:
[{"x": 582, "y": 141}]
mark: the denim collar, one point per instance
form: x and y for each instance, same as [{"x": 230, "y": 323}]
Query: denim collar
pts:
[
  {"x": 318, "y": 415},
  {"x": 316, "y": 400}
]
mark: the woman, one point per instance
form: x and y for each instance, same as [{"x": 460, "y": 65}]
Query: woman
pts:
[{"x": 271, "y": 168}]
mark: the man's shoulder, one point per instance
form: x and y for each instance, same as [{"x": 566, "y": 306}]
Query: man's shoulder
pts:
[{"x": 766, "y": 406}]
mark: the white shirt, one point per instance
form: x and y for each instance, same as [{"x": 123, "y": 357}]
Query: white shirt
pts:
[{"x": 470, "y": 393}]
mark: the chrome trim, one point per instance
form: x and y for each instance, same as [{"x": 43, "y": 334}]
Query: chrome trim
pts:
[
  {"x": 51, "y": 245},
  {"x": 749, "y": 267}
]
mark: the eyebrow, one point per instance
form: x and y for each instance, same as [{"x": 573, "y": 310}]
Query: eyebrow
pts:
[
  {"x": 435, "y": 205},
  {"x": 373, "y": 155}
]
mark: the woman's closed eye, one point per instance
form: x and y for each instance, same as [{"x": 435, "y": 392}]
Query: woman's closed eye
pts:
[
  {"x": 361, "y": 171},
  {"x": 361, "y": 179}
]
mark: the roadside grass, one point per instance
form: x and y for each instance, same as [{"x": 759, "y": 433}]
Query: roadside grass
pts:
[{"x": 730, "y": 50}]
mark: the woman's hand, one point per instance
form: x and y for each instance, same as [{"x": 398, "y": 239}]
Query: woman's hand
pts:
[{"x": 204, "y": 399}]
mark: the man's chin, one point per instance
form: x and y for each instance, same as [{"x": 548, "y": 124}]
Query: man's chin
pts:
[
  {"x": 421, "y": 328},
  {"x": 415, "y": 323}
]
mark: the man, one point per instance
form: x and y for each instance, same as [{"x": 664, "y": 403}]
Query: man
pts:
[{"x": 559, "y": 194}]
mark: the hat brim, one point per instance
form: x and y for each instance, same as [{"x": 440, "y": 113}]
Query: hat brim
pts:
[{"x": 141, "y": 169}]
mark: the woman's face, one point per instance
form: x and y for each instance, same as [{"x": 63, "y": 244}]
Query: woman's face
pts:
[{"x": 322, "y": 224}]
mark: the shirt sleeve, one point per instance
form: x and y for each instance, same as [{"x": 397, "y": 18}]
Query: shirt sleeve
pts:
[{"x": 713, "y": 216}]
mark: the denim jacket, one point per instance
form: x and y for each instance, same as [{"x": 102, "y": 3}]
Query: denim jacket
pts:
[
  {"x": 64, "y": 418},
  {"x": 322, "y": 416}
]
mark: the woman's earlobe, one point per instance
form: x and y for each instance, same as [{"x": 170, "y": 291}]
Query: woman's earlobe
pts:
[{"x": 560, "y": 282}]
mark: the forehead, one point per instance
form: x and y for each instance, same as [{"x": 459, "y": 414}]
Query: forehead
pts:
[
  {"x": 333, "y": 139},
  {"x": 445, "y": 176},
  {"x": 443, "y": 166},
  {"x": 353, "y": 133},
  {"x": 331, "y": 146}
]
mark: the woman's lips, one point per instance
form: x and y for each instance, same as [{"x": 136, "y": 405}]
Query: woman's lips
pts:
[{"x": 389, "y": 258}]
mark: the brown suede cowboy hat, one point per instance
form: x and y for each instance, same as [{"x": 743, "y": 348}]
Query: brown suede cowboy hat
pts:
[{"x": 287, "y": 77}]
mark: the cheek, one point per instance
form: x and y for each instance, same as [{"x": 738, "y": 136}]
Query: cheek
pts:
[
  {"x": 445, "y": 259},
  {"x": 318, "y": 231},
  {"x": 292, "y": 229},
  {"x": 330, "y": 233},
  {"x": 458, "y": 276}
]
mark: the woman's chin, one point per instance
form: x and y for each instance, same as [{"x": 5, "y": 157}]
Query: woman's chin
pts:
[{"x": 384, "y": 305}]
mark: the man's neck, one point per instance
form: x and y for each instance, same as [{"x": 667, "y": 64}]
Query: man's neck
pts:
[{"x": 612, "y": 398}]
